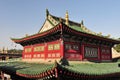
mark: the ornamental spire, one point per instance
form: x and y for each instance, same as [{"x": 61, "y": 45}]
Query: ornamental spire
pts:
[
  {"x": 82, "y": 23},
  {"x": 67, "y": 18},
  {"x": 47, "y": 13}
]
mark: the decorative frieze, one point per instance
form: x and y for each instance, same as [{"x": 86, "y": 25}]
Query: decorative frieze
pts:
[{"x": 53, "y": 55}]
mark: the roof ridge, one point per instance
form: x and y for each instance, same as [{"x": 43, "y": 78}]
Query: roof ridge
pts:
[{"x": 71, "y": 21}]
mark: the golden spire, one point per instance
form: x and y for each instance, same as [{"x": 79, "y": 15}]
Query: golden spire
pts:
[{"x": 67, "y": 18}]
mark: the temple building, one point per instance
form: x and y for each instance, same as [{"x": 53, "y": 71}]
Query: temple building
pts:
[{"x": 61, "y": 37}]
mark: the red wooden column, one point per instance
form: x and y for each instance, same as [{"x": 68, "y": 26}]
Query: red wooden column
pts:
[
  {"x": 32, "y": 52},
  {"x": 99, "y": 53},
  {"x": 45, "y": 50},
  {"x": 62, "y": 52},
  {"x": 110, "y": 53},
  {"x": 23, "y": 53},
  {"x": 82, "y": 51}
]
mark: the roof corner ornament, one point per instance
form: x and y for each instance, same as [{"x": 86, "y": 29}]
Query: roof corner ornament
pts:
[
  {"x": 26, "y": 35},
  {"x": 108, "y": 35},
  {"x": 67, "y": 18},
  {"x": 100, "y": 34},
  {"x": 56, "y": 63},
  {"x": 47, "y": 13},
  {"x": 60, "y": 19},
  {"x": 82, "y": 23}
]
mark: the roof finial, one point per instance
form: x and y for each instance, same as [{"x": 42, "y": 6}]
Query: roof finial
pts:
[
  {"x": 26, "y": 35},
  {"x": 67, "y": 18},
  {"x": 82, "y": 23},
  {"x": 47, "y": 13},
  {"x": 100, "y": 33},
  {"x": 60, "y": 19},
  {"x": 108, "y": 35}
]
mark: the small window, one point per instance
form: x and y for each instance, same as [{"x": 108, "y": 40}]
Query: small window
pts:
[
  {"x": 75, "y": 47},
  {"x": 27, "y": 50},
  {"x": 56, "y": 46},
  {"x": 50, "y": 47},
  {"x": 67, "y": 46},
  {"x": 38, "y": 48}
]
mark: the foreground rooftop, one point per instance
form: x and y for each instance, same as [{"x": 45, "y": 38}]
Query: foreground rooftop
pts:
[{"x": 55, "y": 70}]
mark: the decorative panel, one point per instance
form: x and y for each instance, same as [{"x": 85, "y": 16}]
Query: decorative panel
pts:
[
  {"x": 67, "y": 46},
  {"x": 28, "y": 50},
  {"x": 27, "y": 56},
  {"x": 71, "y": 46},
  {"x": 52, "y": 55},
  {"x": 91, "y": 52},
  {"x": 75, "y": 47},
  {"x": 38, "y": 48},
  {"x": 56, "y": 46},
  {"x": 50, "y": 47},
  {"x": 105, "y": 51}
]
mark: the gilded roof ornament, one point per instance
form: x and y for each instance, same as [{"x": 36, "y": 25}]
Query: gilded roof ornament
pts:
[{"x": 67, "y": 18}]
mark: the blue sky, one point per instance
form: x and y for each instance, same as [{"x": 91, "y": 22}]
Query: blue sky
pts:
[{"x": 20, "y": 17}]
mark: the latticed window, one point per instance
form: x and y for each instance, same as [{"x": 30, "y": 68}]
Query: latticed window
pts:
[
  {"x": 50, "y": 47},
  {"x": 105, "y": 51},
  {"x": 108, "y": 51},
  {"x": 38, "y": 48},
  {"x": 56, "y": 46},
  {"x": 75, "y": 47},
  {"x": 67, "y": 46},
  {"x": 28, "y": 50},
  {"x": 91, "y": 52}
]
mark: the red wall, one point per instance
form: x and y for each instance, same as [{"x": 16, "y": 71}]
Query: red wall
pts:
[
  {"x": 106, "y": 53},
  {"x": 72, "y": 51},
  {"x": 27, "y": 54},
  {"x": 55, "y": 51},
  {"x": 48, "y": 50}
]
